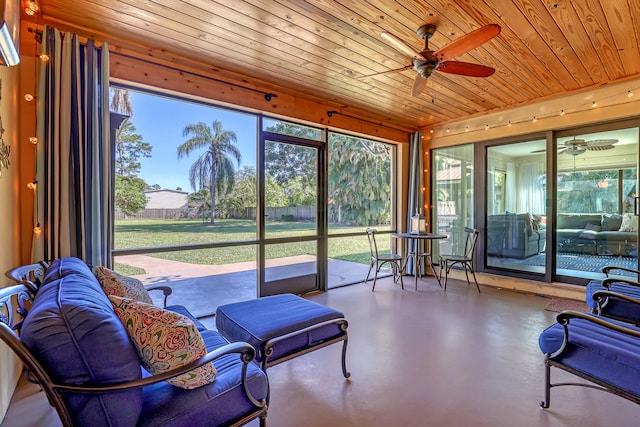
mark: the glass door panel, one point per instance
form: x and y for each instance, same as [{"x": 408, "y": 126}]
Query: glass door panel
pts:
[
  {"x": 453, "y": 196},
  {"x": 596, "y": 220},
  {"x": 515, "y": 205},
  {"x": 291, "y": 222},
  {"x": 291, "y": 193}
]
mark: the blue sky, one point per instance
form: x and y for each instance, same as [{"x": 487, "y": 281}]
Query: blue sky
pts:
[{"x": 161, "y": 120}]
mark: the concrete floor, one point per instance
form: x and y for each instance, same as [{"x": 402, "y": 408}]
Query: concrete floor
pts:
[{"x": 421, "y": 358}]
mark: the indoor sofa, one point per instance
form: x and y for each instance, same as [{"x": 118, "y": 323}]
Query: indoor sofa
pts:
[
  {"x": 597, "y": 234},
  {"x": 73, "y": 341},
  {"x": 515, "y": 235}
]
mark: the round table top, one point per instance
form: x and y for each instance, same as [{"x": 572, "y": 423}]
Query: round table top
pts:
[{"x": 428, "y": 236}]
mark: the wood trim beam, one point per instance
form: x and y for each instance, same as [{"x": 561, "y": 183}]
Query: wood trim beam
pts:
[{"x": 127, "y": 68}]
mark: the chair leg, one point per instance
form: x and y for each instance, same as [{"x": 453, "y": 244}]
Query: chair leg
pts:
[
  {"x": 401, "y": 281},
  {"x": 375, "y": 278},
  {"x": 474, "y": 277},
  {"x": 368, "y": 272},
  {"x": 446, "y": 268}
]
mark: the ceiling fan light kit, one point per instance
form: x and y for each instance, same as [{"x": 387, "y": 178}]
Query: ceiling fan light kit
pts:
[{"x": 427, "y": 61}]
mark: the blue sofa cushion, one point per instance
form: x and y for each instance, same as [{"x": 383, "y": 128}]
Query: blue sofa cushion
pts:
[
  {"x": 74, "y": 333},
  {"x": 616, "y": 307},
  {"x": 257, "y": 321},
  {"x": 165, "y": 405},
  {"x": 594, "y": 350}
]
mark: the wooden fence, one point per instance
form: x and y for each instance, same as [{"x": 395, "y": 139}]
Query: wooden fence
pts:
[{"x": 293, "y": 213}]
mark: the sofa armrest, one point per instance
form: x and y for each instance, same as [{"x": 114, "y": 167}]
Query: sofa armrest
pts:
[
  {"x": 602, "y": 297},
  {"x": 565, "y": 317},
  {"x": 246, "y": 351},
  {"x": 608, "y": 268},
  {"x": 610, "y": 281},
  {"x": 166, "y": 290}
]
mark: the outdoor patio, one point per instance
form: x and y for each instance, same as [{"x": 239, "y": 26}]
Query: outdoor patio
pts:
[{"x": 202, "y": 288}]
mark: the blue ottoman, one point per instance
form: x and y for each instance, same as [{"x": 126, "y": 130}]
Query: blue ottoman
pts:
[{"x": 282, "y": 327}]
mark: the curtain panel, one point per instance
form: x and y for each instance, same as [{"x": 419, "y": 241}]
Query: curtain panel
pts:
[
  {"x": 415, "y": 196},
  {"x": 74, "y": 157}
]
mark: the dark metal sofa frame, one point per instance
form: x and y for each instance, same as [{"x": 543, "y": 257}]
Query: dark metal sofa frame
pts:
[
  {"x": 564, "y": 319},
  {"x": 14, "y": 305}
]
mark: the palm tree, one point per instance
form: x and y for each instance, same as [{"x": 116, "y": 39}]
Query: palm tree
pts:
[
  {"x": 121, "y": 101},
  {"x": 214, "y": 167}
]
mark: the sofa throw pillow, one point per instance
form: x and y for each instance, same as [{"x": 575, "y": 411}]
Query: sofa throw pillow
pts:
[
  {"x": 590, "y": 231},
  {"x": 629, "y": 223},
  {"x": 611, "y": 222},
  {"x": 165, "y": 340},
  {"x": 121, "y": 286}
]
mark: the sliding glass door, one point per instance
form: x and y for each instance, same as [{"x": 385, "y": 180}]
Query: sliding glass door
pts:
[
  {"x": 596, "y": 213},
  {"x": 516, "y": 236},
  {"x": 452, "y": 196}
]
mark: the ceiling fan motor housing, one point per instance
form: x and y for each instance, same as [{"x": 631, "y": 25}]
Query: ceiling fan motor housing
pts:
[{"x": 425, "y": 68}]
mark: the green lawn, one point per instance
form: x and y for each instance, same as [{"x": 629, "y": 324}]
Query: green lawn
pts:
[{"x": 150, "y": 233}]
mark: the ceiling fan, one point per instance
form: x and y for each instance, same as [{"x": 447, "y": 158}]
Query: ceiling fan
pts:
[
  {"x": 575, "y": 147},
  {"x": 427, "y": 61}
]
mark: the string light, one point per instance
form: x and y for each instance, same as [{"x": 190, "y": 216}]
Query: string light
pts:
[
  {"x": 37, "y": 230},
  {"x": 574, "y": 109}
]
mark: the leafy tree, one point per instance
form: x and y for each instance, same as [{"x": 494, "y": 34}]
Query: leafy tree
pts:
[
  {"x": 287, "y": 161},
  {"x": 213, "y": 168},
  {"x": 129, "y": 148},
  {"x": 129, "y": 195},
  {"x": 243, "y": 194},
  {"x": 359, "y": 167}
]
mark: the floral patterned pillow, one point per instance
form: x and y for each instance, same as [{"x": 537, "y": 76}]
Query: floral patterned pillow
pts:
[
  {"x": 165, "y": 340},
  {"x": 121, "y": 286}
]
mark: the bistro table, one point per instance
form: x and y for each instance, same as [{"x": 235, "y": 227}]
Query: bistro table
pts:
[{"x": 417, "y": 254}]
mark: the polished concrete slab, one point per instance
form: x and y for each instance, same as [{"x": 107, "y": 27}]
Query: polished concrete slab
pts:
[{"x": 424, "y": 358}]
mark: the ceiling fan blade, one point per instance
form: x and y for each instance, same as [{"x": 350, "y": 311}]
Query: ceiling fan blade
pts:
[
  {"x": 465, "y": 69},
  {"x": 400, "y": 44},
  {"x": 397, "y": 70},
  {"x": 467, "y": 42},
  {"x": 418, "y": 85}
]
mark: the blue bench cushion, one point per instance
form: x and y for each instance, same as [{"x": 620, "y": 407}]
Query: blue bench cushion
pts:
[
  {"x": 171, "y": 406},
  {"x": 257, "y": 321},
  {"x": 74, "y": 333},
  {"x": 599, "y": 352},
  {"x": 616, "y": 307}
]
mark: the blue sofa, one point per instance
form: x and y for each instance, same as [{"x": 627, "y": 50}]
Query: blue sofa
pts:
[
  {"x": 79, "y": 351},
  {"x": 604, "y": 351}
]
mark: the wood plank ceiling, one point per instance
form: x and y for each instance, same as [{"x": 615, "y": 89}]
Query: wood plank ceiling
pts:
[{"x": 321, "y": 49}]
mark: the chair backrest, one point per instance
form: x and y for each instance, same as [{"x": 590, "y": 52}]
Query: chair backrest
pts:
[
  {"x": 14, "y": 304},
  {"x": 31, "y": 274},
  {"x": 373, "y": 246},
  {"x": 470, "y": 241}
]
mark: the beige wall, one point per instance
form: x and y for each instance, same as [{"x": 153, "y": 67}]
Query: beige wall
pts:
[{"x": 9, "y": 216}]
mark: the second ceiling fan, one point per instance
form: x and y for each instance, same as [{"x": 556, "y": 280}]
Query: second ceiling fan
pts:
[{"x": 427, "y": 61}]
